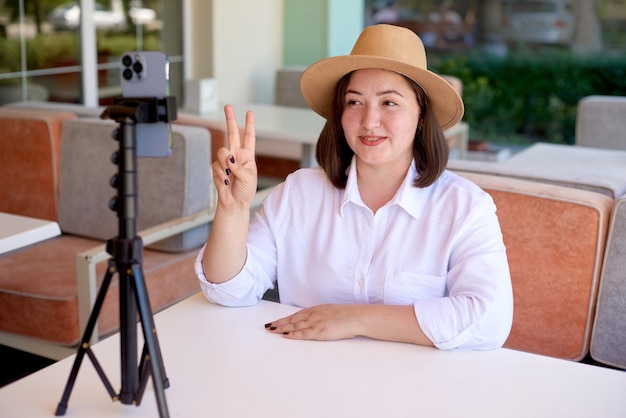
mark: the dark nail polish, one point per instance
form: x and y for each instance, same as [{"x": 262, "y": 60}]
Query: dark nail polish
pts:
[
  {"x": 286, "y": 333},
  {"x": 269, "y": 324},
  {"x": 228, "y": 171},
  {"x": 226, "y": 182},
  {"x": 272, "y": 328},
  {"x": 232, "y": 159}
]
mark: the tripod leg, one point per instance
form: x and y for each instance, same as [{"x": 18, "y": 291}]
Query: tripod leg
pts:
[
  {"x": 84, "y": 345},
  {"x": 144, "y": 373},
  {"x": 100, "y": 371},
  {"x": 145, "y": 357},
  {"x": 152, "y": 351},
  {"x": 128, "y": 336}
]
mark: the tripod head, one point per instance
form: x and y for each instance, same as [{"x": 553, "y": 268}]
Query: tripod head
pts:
[{"x": 142, "y": 109}]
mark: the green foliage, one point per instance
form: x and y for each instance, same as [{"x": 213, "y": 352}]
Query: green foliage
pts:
[
  {"x": 120, "y": 43},
  {"x": 42, "y": 51},
  {"x": 534, "y": 96},
  {"x": 53, "y": 50}
]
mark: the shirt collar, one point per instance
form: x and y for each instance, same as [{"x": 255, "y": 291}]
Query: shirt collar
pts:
[
  {"x": 408, "y": 197},
  {"x": 351, "y": 192}
]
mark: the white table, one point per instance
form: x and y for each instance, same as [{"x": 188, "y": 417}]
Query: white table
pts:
[
  {"x": 574, "y": 159},
  {"x": 19, "y": 231},
  {"x": 300, "y": 125},
  {"x": 278, "y": 123},
  {"x": 221, "y": 362}
]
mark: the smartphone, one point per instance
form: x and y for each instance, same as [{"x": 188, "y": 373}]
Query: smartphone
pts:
[{"x": 146, "y": 74}]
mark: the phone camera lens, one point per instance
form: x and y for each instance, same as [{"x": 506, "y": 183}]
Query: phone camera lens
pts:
[
  {"x": 127, "y": 74},
  {"x": 127, "y": 61},
  {"x": 138, "y": 67}
]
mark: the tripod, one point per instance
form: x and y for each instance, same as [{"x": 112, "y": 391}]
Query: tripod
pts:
[{"x": 127, "y": 252}]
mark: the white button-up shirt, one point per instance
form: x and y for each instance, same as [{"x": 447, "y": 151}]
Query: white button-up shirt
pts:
[{"x": 437, "y": 248}]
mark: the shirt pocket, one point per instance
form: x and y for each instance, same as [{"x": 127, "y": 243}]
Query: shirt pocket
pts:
[{"x": 406, "y": 288}]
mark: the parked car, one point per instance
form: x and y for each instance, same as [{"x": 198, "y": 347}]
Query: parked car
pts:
[
  {"x": 547, "y": 22},
  {"x": 142, "y": 15},
  {"x": 67, "y": 16}
]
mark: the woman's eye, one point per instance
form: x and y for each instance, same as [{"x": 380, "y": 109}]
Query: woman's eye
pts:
[{"x": 390, "y": 103}]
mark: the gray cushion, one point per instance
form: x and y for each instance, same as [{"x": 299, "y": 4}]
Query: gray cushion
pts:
[
  {"x": 608, "y": 339},
  {"x": 600, "y": 122},
  {"x": 168, "y": 188},
  {"x": 79, "y": 110},
  {"x": 609, "y": 185}
]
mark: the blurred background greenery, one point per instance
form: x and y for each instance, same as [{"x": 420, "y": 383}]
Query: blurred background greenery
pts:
[{"x": 528, "y": 96}]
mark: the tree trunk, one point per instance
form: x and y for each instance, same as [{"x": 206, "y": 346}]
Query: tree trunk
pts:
[{"x": 587, "y": 32}]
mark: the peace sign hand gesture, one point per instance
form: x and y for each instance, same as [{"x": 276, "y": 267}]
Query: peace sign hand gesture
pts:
[{"x": 235, "y": 170}]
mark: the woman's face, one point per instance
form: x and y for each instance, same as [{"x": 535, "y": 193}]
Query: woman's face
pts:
[{"x": 380, "y": 117}]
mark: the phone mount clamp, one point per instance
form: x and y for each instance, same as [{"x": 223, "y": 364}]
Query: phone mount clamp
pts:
[{"x": 127, "y": 253}]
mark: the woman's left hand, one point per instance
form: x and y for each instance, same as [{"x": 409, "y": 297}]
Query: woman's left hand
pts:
[
  {"x": 322, "y": 322},
  {"x": 336, "y": 322}
]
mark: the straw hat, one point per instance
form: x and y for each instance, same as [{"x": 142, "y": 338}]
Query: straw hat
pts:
[{"x": 387, "y": 47}]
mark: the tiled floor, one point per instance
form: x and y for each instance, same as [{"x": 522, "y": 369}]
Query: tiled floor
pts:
[{"x": 15, "y": 364}]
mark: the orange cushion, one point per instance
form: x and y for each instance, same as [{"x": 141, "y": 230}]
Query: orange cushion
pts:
[
  {"x": 29, "y": 162},
  {"x": 555, "y": 238},
  {"x": 39, "y": 295}
]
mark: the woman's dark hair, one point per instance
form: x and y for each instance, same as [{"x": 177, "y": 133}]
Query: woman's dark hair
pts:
[{"x": 430, "y": 149}]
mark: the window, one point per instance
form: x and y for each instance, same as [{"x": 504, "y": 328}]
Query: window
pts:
[
  {"x": 45, "y": 51},
  {"x": 533, "y": 7}
]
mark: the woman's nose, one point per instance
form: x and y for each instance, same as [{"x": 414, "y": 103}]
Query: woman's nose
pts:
[{"x": 371, "y": 117}]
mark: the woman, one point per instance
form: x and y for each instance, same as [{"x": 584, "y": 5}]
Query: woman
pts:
[{"x": 379, "y": 240}]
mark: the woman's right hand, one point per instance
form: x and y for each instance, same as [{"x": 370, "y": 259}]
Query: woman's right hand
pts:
[
  {"x": 235, "y": 170},
  {"x": 235, "y": 177}
]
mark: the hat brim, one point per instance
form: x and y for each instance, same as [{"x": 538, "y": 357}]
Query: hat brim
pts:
[{"x": 319, "y": 81}]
